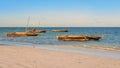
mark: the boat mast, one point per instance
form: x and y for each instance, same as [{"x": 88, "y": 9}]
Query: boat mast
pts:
[
  {"x": 38, "y": 24},
  {"x": 27, "y": 23}
]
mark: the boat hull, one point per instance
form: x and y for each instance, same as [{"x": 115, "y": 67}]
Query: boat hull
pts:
[
  {"x": 72, "y": 38},
  {"x": 77, "y": 38},
  {"x": 20, "y": 34},
  {"x": 36, "y": 31},
  {"x": 59, "y": 30}
]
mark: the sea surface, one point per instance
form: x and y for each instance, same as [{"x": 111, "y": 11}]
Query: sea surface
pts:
[{"x": 112, "y": 39}]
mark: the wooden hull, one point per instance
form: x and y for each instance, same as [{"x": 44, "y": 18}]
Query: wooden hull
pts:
[
  {"x": 40, "y": 31},
  {"x": 59, "y": 30},
  {"x": 77, "y": 38},
  {"x": 72, "y": 38},
  {"x": 81, "y": 40},
  {"x": 93, "y": 38},
  {"x": 20, "y": 34},
  {"x": 36, "y": 31}
]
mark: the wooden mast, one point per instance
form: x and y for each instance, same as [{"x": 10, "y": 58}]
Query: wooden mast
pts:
[
  {"x": 38, "y": 24},
  {"x": 27, "y": 23}
]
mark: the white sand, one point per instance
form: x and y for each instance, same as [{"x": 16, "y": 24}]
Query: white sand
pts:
[{"x": 26, "y": 57}]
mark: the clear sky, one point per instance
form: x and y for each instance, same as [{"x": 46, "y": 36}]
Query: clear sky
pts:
[{"x": 71, "y": 13}]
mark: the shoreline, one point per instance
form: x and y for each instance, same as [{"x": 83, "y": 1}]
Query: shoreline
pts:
[
  {"x": 88, "y": 51},
  {"x": 89, "y": 47},
  {"x": 28, "y": 57},
  {"x": 98, "y": 48},
  {"x": 98, "y": 51}
]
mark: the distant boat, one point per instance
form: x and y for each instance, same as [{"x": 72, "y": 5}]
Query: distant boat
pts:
[
  {"x": 21, "y": 34},
  {"x": 59, "y": 30},
  {"x": 78, "y": 38},
  {"x": 36, "y": 30}
]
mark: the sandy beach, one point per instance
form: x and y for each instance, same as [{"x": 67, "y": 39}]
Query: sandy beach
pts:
[{"x": 28, "y": 57}]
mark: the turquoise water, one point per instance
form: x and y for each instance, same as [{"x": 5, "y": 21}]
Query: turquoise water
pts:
[{"x": 49, "y": 38}]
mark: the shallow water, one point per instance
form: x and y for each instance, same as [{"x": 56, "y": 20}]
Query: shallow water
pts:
[
  {"x": 49, "y": 38},
  {"x": 82, "y": 51},
  {"x": 70, "y": 50}
]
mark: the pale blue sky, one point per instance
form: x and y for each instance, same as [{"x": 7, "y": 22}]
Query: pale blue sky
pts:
[{"x": 60, "y": 13}]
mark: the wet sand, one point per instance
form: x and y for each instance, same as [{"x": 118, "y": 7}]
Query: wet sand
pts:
[{"x": 28, "y": 57}]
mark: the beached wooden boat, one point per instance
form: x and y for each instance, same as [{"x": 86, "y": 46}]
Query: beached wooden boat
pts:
[
  {"x": 59, "y": 30},
  {"x": 78, "y": 38},
  {"x": 20, "y": 34}
]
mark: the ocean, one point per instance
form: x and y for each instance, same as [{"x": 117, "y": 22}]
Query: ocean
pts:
[{"x": 49, "y": 38}]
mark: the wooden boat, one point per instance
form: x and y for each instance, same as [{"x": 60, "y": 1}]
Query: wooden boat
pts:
[
  {"x": 59, "y": 30},
  {"x": 78, "y": 38},
  {"x": 93, "y": 37},
  {"x": 81, "y": 40},
  {"x": 36, "y": 31},
  {"x": 72, "y": 38},
  {"x": 40, "y": 31},
  {"x": 20, "y": 34}
]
